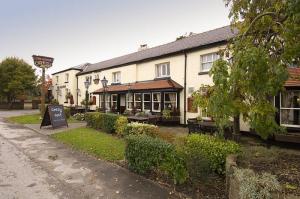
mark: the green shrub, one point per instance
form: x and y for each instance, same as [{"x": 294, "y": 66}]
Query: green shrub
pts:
[
  {"x": 144, "y": 154},
  {"x": 136, "y": 128},
  {"x": 108, "y": 122},
  {"x": 252, "y": 185},
  {"x": 213, "y": 149},
  {"x": 79, "y": 116},
  {"x": 67, "y": 112},
  {"x": 167, "y": 136},
  {"x": 91, "y": 119},
  {"x": 120, "y": 125}
]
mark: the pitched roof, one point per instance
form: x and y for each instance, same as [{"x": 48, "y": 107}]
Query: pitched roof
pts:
[
  {"x": 294, "y": 77},
  {"x": 147, "y": 85},
  {"x": 80, "y": 67},
  {"x": 198, "y": 40}
]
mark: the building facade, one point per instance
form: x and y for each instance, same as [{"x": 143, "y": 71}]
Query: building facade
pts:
[{"x": 163, "y": 77}]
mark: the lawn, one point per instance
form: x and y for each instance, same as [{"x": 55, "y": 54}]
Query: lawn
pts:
[
  {"x": 99, "y": 144},
  {"x": 32, "y": 119}
]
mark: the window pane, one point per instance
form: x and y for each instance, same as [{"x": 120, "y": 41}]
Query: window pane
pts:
[
  {"x": 147, "y": 97},
  {"x": 168, "y": 69},
  {"x": 137, "y": 97},
  {"x": 290, "y": 116},
  {"x": 156, "y": 106},
  {"x": 114, "y": 97},
  {"x": 209, "y": 58},
  {"x": 130, "y": 97},
  {"x": 164, "y": 71},
  {"x": 290, "y": 99},
  {"x": 138, "y": 105},
  {"x": 156, "y": 97},
  {"x": 147, "y": 105},
  {"x": 206, "y": 66}
]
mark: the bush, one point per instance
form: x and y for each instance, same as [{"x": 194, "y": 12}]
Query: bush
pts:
[
  {"x": 67, "y": 112},
  {"x": 104, "y": 121},
  {"x": 252, "y": 185},
  {"x": 108, "y": 122},
  {"x": 136, "y": 128},
  {"x": 166, "y": 136},
  {"x": 120, "y": 125},
  {"x": 144, "y": 154},
  {"x": 213, "y": 149},
  {"x": 79, "y": 116}
]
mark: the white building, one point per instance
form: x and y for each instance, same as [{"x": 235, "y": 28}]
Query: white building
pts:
[{"x": 158, "y": 78}]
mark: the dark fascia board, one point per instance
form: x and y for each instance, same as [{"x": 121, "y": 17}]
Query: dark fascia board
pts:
[
  {"x": 142, "y": 91},
  {"x": 66, "y": 70},
  {"x": 159, "y": 57}
]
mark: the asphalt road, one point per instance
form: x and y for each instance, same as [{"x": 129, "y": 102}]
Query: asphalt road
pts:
[{"x": 33, "y": 166}]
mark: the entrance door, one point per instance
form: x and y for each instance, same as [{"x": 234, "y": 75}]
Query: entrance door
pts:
[{"x": 122, "y": 103}]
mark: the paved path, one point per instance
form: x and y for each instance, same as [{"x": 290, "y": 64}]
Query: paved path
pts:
[{"x": 34, "y": 166}]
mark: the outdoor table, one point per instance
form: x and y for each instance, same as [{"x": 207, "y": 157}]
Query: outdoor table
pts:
[{"x": 138, "y": 119}]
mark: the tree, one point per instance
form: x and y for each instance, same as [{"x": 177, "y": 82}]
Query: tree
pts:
[
  {"x": 16, "y": 77},
  {"x": 267, "y": 41}
]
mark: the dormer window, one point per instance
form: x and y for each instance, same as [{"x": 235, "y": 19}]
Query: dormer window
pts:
[
  {"x": 162, "y": 70},
  {"x": 116, "y": 77}
]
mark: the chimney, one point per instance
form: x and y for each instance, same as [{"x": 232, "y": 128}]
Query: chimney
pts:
[{"x": 143, "y": 47}]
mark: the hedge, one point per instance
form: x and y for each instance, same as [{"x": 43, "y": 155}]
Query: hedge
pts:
[
  {"x": 144, "y": 154},
  {"x": 121, "y": 125},
  {"x": 67, "y": 112},
  {"x": 103, "y": 121},
  {"x": 212, "y": 149},
  {"x": 136, "y": 128}
]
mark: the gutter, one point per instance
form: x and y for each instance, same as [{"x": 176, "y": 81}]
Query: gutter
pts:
[{"x": 184, "y": 87}]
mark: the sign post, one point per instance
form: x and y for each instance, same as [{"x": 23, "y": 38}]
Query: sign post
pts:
[
  {"x": 54, "y": 115},
  {"x": 43, "y": 63}
]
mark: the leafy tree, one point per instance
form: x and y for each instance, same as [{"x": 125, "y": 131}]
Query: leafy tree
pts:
[
  {"x": 16, "y": 78},
  {"x": 267, "y": 41}
]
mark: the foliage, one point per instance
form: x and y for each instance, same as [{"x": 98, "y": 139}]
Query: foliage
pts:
[
  {"x": 16, "y": 78},
  {"x": 213, "y": 149},
  {"x": 144, "y": 154},
  {"x": 166, "y": 136},
  {"x": 137, "y": 128},
  {"x": 79, "y": 116},
  {"x": 54, "y": 102},
  {"x": 166, "y": 113},
  {"x": 93, "y": 142},
  {"x": 104, "y": 121},
  {"x": 267, "y": 41},
  {"x": 254, "y": 185},
  {"x": 67, "y": 112},
  {"x": 121, "y": 125}
]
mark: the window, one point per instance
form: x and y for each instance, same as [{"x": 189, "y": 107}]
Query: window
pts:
[
  {"x": 138, "y": 101},
  {"x": 57, "y": 78},
  {"x": 156, "y": 102},
  {"x": 170, "y": 102},
  {"x": 116, "y": 77},
  {"x": 146, "y": 101},
  {"x": 162, "y": 70},
  {"x": 114, "y": 101},
  {"x": 66, "y": 77},
  {"x": 290, "y": 108},
  {"x": 129, "y": 101},
  {"x": 107, "y": 102},
  {"x": 101, "y": 101},
  {"x": 207, "y": 61},
  {"x": 89, "y": 79}
]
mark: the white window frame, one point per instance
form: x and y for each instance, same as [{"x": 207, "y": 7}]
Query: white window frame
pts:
[
  {"x": 101, "y": 100},
  {"x": 159, "y": 70},
  {"x": 143, "y": 104},
  {"x": 170, "y": 101},
  {"x": 153, "y": 110},
  {"x": 112, "y": 101},
  {"x": 67, "y": 77},
  {"x": 108, "y": 101},
  {"x": 135, "y": 101},
  {"x": 203, "y": 61},
  {"x": 116, "y": 77},
  {"x": 285, "y": 108},
  {"x": 129, "y": 101}
]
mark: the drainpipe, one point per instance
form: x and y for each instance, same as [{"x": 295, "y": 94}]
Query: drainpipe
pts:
[
  {"x": 77, "y": 90},
  {"x": 184, "y": 87}
]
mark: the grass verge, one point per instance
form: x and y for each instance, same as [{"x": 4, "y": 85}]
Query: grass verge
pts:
[
  {"x": 99, "y": 144},
  {"x": 32, "y": 119}
]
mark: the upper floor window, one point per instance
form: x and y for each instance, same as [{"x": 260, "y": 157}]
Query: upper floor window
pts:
[
  {"x": 67, "y": 77},
  {"x": 116, "y": 77},
  {"x": 207, "y": 61},
  {"x": 89, "y": 79},
  {"x": 162, "y": 70}
]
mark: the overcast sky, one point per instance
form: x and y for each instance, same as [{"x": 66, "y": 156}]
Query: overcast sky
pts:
[{"x": 78, "y": 31}]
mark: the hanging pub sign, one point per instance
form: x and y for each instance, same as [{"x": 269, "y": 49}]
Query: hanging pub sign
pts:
[
  {"x": 54, "y": 116},
  {"x": 42, "y": 61}
]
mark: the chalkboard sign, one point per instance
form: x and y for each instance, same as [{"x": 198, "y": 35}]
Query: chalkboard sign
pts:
[{"x": 55, "y": 116}]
